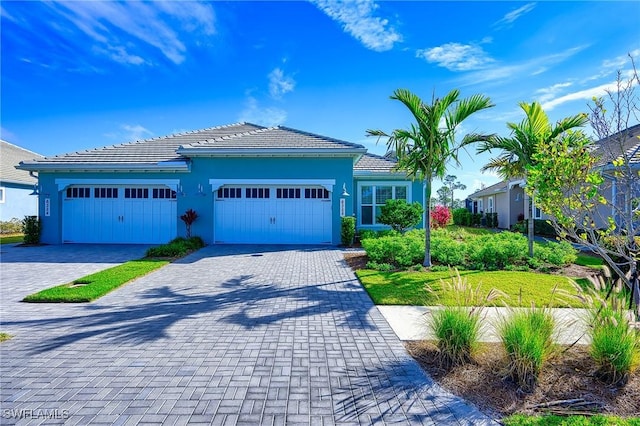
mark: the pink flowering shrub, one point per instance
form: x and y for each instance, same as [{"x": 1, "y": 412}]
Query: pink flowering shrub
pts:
[{"x": 440, "y": 217}]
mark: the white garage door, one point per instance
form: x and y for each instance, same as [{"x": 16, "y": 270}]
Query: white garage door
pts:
[
  {"x": 273, "y": 215},
  {"x": 119, "y": 214}
]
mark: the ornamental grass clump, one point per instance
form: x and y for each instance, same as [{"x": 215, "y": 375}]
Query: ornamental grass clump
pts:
[
  {"x": 457, "y": 328},
  {"x": 527, "y": 339},
  {"x": 615, "y": 344}
]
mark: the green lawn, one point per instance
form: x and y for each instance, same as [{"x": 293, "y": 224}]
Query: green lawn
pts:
[
  {"x": 11, "y": 239},
  {"x": 598, "y": 420},
  {"x": 408, "y": 288},
  {"x": 96, "y": 285},
  {"x": 4, "y": 336},
  {"x": 588, "y": 260}
]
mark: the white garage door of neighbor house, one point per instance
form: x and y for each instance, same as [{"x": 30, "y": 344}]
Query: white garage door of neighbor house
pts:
[
  {"x": 119, "y": 214},
  {"x": 273, "y": 215}
]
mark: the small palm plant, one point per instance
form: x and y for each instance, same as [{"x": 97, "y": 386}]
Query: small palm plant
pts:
[
  {"x": 188, "y": 218},
  {"x": 457, "y": 327}
]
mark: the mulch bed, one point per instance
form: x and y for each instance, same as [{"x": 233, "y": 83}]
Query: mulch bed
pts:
[{"x": 569, "y": 375}]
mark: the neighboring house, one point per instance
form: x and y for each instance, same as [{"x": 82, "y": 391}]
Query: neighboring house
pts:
[
  {"x": 16, "y": 185},
  {"x": 247, "y": 183},
  {"x": 505, "y": 198}
]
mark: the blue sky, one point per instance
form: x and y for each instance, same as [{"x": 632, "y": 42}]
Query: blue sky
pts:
[{"x": 78, "y": 75}]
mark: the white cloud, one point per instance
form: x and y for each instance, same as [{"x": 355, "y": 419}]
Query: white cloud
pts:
[
  {"x": 547, "y": 93},
  {"x": 512, "y": 16},
  {"x": 456, "y": 56},
  {"x": 586, "y": 94},
  {"x": 279, "y": 84},
  {"x": 142, "y": 24},
  {"x": 130, "y": 132},
  {"x": 533, "y": 66},
  {"x": 264, "y": 116},
  {"x": 120, "y": 54},
  {"x": 135, "y": 132},
  {"x": 357, "y": 18},
  {"x": 620, "y": 61}
]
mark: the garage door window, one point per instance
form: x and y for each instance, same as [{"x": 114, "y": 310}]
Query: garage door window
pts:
[
  {"x": 78, "y": 192},
  {"x": 288, "y": 193},
  {"x": 136, "y": 193},
  {"x": 373, "y": 197},
  {"x": 316, "y": 193},
  {"x": 257, "y": 193},
  {"x": 230, "y": 193},
  {"x": 105, "y": 192},
  {"x": 164, "y": 193}
]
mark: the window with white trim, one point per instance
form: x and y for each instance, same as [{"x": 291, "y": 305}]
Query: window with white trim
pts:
[
  {"x": 480, "y": 205},
  {"x": 2, "y": 191},
  {"x": 76, "y": 192},
  {"x": 537, "y": 213},
  {"x": 490, "y": 205},
  {"x": 227, "y": 192},
  {"x": 374, "y": 196}
]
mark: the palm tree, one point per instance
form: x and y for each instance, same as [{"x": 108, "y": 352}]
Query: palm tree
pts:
[
  {"x": 518, "y": 149},
  {"x": 424, "y": 149}
]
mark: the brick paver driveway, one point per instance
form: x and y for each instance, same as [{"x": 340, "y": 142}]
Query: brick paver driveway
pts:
[{"x": 231, "y": 334}]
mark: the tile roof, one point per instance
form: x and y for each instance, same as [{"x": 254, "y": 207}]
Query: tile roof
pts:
[
  {"x": 490, "y": 190},
  {"x": 271, "y": 138},
  {"x": 10, "y": 156},
  {"x": 626, "y": 141},
  {"x": 148, "y": 151},
  {"x": 375, "y": 164},
  {"x": 178, "y": 147}
]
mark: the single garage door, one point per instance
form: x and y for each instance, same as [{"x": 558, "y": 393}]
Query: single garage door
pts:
[
  {"x": 272, "y": 215},
  {"x": 119, "y": 214}
]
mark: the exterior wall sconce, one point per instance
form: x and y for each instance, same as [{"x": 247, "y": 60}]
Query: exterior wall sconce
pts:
[
  {"x": 201, "y": 190},
  {"x": 344, "y": 190},
  {"x": 36, "y": 189}
]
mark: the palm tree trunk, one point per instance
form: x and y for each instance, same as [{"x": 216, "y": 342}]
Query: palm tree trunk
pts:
[
  {"x": 530, "y": 224},
  {"x": 427, "y": 225}
]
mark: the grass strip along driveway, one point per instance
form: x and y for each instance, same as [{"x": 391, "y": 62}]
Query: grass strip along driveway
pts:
[
  {"x": 96, "y": 285},
  {"x": 521, "y": 288}
]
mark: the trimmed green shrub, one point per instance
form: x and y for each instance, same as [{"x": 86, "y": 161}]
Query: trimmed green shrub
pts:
[
  {"x": 461, "y": 217},
  {"x": 459, "y": 248},
  {"x": 527, "y": 340},
  {"x": 347, "y": 230},
  {"x": 402, "y": 250},
  {"x": 400, "y": 215},
  {"x": 492, "y": 220},
  {"x": 382, "y": 267},
  {"x": 12, "y": 226},
  {"x": 176, "y": 248},
  {"x": 476, "y": 219},
  {"x": 32, "y": 229}
]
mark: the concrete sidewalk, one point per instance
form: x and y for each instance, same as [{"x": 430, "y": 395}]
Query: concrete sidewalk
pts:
[{"x": 410, "y": 323}]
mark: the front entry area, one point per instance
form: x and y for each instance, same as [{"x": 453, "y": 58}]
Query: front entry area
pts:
[
  {"x": 272, "y": 214},
  {"x": 119, "y": 214}
]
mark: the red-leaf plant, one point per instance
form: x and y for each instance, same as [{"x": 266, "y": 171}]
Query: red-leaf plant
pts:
[{"x": 188, "y": 218}]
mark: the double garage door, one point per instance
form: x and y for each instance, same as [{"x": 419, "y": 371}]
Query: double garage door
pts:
[
  {"x": 272, "y": 214},
  {"x": 119, "y": 214}
]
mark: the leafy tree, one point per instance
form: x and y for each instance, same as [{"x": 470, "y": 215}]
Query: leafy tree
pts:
[
  {"x": 444, "y": 195},
  {"x": 424, "y": 149},
  {"x": 400, "y": 215},
  {"x": 571, "y": 177},
  {"x": 451, "y": 182},
  {"x": 518, "y": 149}
]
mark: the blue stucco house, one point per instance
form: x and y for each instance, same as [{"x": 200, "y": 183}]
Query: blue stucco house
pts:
[
  {"x": 247, "y": 183},
  {"x": 16, "y": 186}
]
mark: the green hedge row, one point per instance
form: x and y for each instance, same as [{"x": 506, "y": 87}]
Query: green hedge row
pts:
[{"x": 503, "y": 250}]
